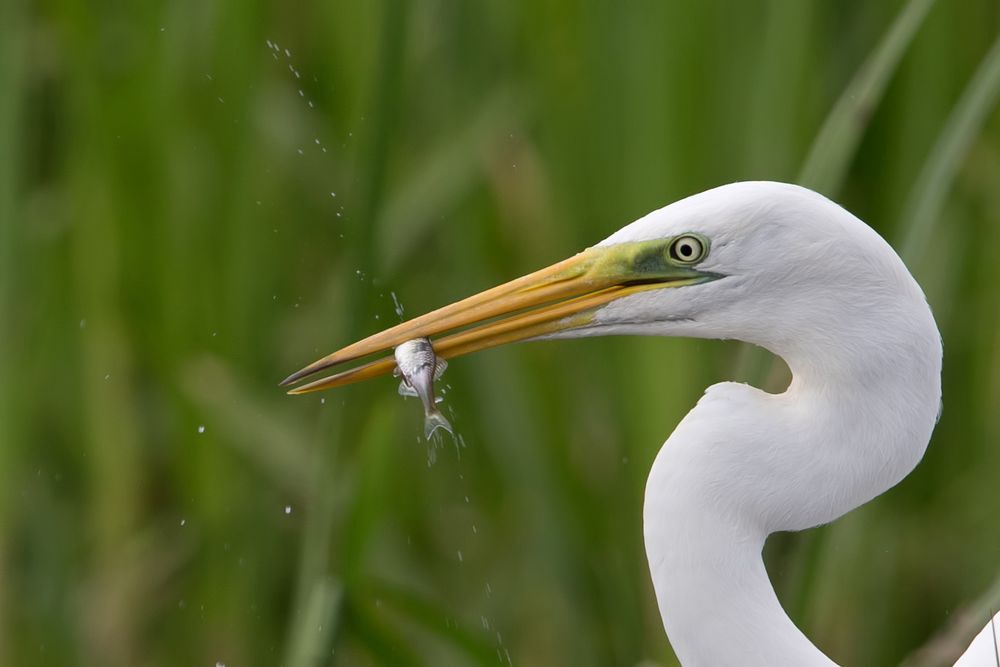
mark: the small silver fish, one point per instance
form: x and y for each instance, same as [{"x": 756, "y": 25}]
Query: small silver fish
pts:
[{"x": 419, "y": 368}]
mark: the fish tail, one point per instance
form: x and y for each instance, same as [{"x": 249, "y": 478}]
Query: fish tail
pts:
[{"x": 433, "y": 421}]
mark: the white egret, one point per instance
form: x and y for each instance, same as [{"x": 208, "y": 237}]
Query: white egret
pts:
[{"x": 771, "y": 264}]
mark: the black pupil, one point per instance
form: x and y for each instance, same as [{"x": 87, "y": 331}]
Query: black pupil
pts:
[{"x": 686, "y": 249}]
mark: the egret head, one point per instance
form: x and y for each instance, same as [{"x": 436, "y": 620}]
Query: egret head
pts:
[{"x": 768, "y": 263}]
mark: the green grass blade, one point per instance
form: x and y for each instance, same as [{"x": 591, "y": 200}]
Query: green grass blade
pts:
[
  {"x": 963, "y": 125},
  {"x": 952, "y": 640},
  {"x": 838, "y": 139},
  {"x": 315, "y": 630},
  {"x": 12, "y": 72}
]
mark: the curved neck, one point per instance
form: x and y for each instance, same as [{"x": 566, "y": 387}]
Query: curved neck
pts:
[
  {"x": 744, "y": 464},
  {"x": 715, "y": 598}
]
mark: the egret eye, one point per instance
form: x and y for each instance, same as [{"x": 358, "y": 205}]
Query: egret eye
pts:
[{"x": 687, "y": 249}]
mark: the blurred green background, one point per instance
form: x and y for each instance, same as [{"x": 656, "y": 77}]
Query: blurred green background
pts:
[{"x": 199, "y": 197}]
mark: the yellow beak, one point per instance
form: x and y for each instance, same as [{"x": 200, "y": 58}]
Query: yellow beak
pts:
[{"x": 561, "y": 297}]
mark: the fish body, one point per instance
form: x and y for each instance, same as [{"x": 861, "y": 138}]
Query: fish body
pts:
[{"x": 419, "y": 368}]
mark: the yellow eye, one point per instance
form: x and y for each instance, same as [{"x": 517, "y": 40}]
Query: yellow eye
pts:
[{"x": 687, "y": 249}]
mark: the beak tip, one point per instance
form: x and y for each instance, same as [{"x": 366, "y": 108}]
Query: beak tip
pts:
[
  {"x": 301, "y": 373},
  {"x": 312, "y": 368}
]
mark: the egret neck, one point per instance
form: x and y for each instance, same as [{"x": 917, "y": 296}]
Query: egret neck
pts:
[{"x": 744, "y": 463}]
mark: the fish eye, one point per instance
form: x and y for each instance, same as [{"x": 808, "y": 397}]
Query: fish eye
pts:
[{"x": 687, "y": 249}]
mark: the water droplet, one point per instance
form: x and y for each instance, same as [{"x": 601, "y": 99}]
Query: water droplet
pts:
[
  {"x": 201, "y": 428},
  {"x": 108, "y": 376},
  {"x": 322, "y": 401},
  {"x": 288, "y": 509},
  {"x": 288, "y": 53},
  {"x": 460, "y": 559},
  {"x": 183, "y": 521},
  {"x": 332, "y": 194},
  {"x": 83, "y": 323}
]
